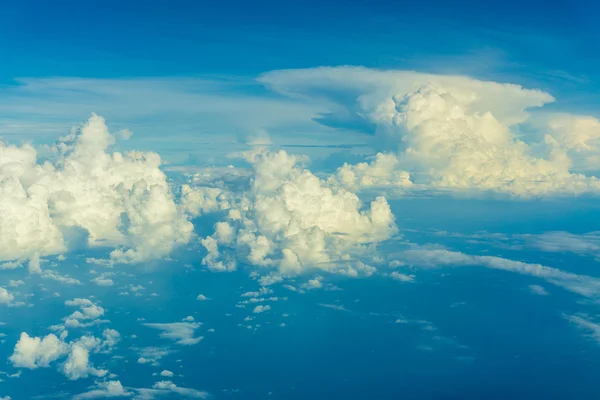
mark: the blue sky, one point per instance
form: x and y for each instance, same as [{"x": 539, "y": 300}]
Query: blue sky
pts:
[{"x": 271, "y": 200}]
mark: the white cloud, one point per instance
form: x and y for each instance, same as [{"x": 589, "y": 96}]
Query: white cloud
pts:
[
  {"x": 181, "y": 332},
  {"x": 452, "y": 132},
  {"x": 583, "y": 285},
  {"x": 289, "y": 220},
  {"x": 261, "y": 309},
  {"x": 202, "y": 297},
  {"x": 537, "y": 289},
  {"x": 166, "y": 373},
  {"x": 120, "y": 200},
  {"x": 34, "y": 352},
  {"x": 105, "y": 390},
  {"x": 87, "y": 315},
  {"x": 402, "y": 277},
  {"x": 77, "y": 364},
  {"x": 585, "y": 323},
  {"x": 167, "y": 389},
  {"x": 6, "y": 297}
]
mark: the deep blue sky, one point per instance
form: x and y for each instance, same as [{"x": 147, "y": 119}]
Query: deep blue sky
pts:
[{"x": 157, "y": 38}]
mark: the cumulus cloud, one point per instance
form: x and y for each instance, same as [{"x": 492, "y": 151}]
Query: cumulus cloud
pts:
[
  {"x": 181, "y": 332},
  {"x": 77, "y": 364},
  {"x": 453, "y": 132},
  {"x": 6, "y": 297},
  {"x": 288, "y": 220},
  {"x": 261, "y": 309},
  {"x": 35, "y": 352},
  {"x": 111, "y": 199},
  {"x": 105, "y": 390},
  {"x": 87, "y": 315}
]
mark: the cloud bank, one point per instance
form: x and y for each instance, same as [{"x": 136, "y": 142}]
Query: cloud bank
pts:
[{"x": 84, "y": 192}]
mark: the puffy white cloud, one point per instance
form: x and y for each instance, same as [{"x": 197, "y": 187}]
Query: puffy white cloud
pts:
[
  {"x": 6, "y": 297},
  {"x": 87, "y": 315},
  {"x": 202, "y": 297},
  {"x": 181, "y": 332},
  {"x": 166, "y": 373},
  {"x": 114, "y": 199},
  {"x": 453, "y": 132},
  {"x": 289, "y": 220},
  {"x": 77, "y": 364},
  {"x": 34, "y": 352},
  {"x": 105, "y": 390},
  {"x": 261, "y": 309}
]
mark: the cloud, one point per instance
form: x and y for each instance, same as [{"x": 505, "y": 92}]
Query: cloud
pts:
[
  {"x": 6, "y": 297},
  {"x": 261, "y": 309},
  {"x": 77, "y": 364},
  {"x": 583, "y": 285},
  {"x": 585, "y": 323},
  {"x": 537, "y": 289},
  {"x": 181, "y": 332},
  {"x": 287, "y": 220},
  {"x": 564, "y": 242},
  {"x": 105, "y": 390},
  {"x": 87, "y": 315},
  {"x": 451, "y": 132},
  {"x": 168, "y": 388},
  {"x": 113, "y": 199},
  {"x": 401, "y": 277},
  {"x": 35, "y": 352}
]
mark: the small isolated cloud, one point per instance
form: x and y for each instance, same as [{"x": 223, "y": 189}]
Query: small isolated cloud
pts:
[
  {"x": 182, "y": 333},
  {"x": 402, "y": 277},
  {"x": 6, "y": 297},
  {"x": 537, "y": 289},
  {"x": 166, "y": 373},
  {"x": 336, "y": 307},
  {"x": 202, "y": 297},
  {"x": 261, "y": 309}
]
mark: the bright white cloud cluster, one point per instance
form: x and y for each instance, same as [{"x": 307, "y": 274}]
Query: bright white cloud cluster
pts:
[
  {"x": 451, "y": 132},
  {"x": 289, "y": 220},
  {"x": 112, "y": 199},
  {"x": 40, "y": 352}
]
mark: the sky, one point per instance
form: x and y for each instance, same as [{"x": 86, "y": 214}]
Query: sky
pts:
[{"x": 267, "y": 200}]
